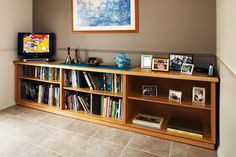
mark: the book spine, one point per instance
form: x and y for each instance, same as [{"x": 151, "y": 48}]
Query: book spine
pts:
[
  {"x": 185, "y": 133},
  {"x": 87, "y": 80}
]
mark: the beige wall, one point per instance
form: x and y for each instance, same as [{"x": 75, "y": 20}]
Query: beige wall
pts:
[
  {"x": 15, "y": 16},
  {"x": 165, "y": 25},
  {"x": 226, "y": 24}
]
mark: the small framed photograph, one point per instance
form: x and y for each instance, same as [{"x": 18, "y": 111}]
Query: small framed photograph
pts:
[
  {"x": 149, "y": 90},
  {"x": 175, "y": 95},
  {"x": 146, "y": 61},
  {"x": 177, "y": 60},
  {"x": 187, "y": 68},
  {"x": 160, "y": 64},
  {"x": 199, "y": 95}
]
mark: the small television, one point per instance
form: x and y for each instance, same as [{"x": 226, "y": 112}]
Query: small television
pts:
[{"x": 36, "y": 46}]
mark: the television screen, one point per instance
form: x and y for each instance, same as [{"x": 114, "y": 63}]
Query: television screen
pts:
[{"x": 36, "y": 45}]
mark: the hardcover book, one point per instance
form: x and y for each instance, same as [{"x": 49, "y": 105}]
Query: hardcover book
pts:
[
  {"x": 148, "y": 121},
  {"x": 187, "y": 127}
]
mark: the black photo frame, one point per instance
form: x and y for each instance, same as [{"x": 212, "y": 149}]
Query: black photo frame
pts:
[{"x": 177, "y": 60}]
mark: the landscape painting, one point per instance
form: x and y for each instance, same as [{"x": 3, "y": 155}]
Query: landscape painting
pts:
[{"x": 104, "y": 15}]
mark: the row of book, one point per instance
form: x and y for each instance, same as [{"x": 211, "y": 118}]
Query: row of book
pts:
[
  {"x": 175, "y": 125},
  {"x": 94, "y": 104},
  {"x": 92, "y": 80},
  {"x": 46, "y": 73},
  {"x": 46, "y": 94}
]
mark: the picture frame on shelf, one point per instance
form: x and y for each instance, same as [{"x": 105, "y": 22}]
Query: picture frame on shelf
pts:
[
  {"x": 149, "y": 90},
  {"x": 160, "y": 64},
  {"x": 199, "y": 95},
  {"x": 175, "y": 95},
  {"x": 187, "y": 68},
  {"x": 104, "y": 16},
  {"x": 177, "y": 60},
  {"x": 146, "y": 61}
]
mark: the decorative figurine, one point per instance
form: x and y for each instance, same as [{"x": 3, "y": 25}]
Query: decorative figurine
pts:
[
  {"x": 77, "y": 60},
  {"x": 121, "y": 60},
  {"x": 94, "y": 61},
  {"x": 68, "y": 58}
]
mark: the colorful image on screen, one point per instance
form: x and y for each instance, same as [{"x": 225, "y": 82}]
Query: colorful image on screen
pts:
[{"x": 36, "y": 43}]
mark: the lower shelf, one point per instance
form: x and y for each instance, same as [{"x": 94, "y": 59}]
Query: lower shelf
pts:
[
  {"x": 88, "y": 115},
  {"x": 206, "y": 142},
  {"x": 206, "y": 131},
  {"x": 57, "y": 110}
]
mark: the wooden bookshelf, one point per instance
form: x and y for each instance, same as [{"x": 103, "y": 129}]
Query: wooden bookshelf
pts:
[{"x": 134, "y": 102}]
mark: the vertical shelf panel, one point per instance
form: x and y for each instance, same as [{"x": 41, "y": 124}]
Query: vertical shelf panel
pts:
[
  {"x": 213, "y": 112},
  {"x": 124, "y": 85},
  {"x": 62, "y": 92}
]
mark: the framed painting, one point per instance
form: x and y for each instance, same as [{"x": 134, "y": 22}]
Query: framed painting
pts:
[{"x": 105, "y": 15}]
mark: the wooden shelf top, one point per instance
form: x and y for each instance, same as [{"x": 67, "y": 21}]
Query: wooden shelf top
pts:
[
  {"x": 196, "y": 76},
  {"x": 98, "y": 92},
  {"x": 39, "y": 80},
  {"x": 165, "y": 100}
]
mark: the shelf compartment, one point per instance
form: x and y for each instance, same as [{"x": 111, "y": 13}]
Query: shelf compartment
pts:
[
  {"x": 39, "y": 80},
  {"x": 98, "y": 92},
  {"x": 97, "y": 117},
  {"x": 155, "y": 109},
  {"x": 164, "y": 100},
  {"x": 29, "y": 103},
  {"x": 206, "y": 131}
]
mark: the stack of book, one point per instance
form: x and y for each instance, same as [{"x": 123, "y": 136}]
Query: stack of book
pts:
[
  {"x": 77, "y": 101},
  {"x": 93, "y": 80},
  {"x": 46, "y": 73},
  {"x": 45, "y": 94},
  {"x": 94, "y": 104},
  {"x": 148, "y": 121},
  {"x": 185, "y": 127},
  {"x": 112, "y": 107}
]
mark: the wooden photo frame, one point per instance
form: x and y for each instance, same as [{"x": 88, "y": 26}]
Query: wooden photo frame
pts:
[
  {"x": 177, "y": 60},
  {"x": 160, "y": 64},
  {"x": 146, "y": 61},
  {"x": 104, "y": 16}
]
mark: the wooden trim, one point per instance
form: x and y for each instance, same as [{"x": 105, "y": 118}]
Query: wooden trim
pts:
[{"x": 213, "y": 111}]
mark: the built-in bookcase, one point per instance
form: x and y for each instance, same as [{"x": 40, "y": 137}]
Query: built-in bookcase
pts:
[{"x": 115, "y": 97}]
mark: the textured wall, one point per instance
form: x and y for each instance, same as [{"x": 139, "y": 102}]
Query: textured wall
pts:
[
  {"x": 226, "y": 24},
  {"x": 165, "y": 25},
  {"x": 15, "y": 16}
]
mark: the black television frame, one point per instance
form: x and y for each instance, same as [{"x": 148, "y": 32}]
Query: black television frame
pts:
[{"x": 50, "y": 54}]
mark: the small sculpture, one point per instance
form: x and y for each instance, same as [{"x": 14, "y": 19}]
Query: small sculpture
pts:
[
  {"x": 77, "y": 60},
  {"x": 94, "y": 61},
  {"x": 121, "y": 60},
  {"x": 68, "y": 58}
]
